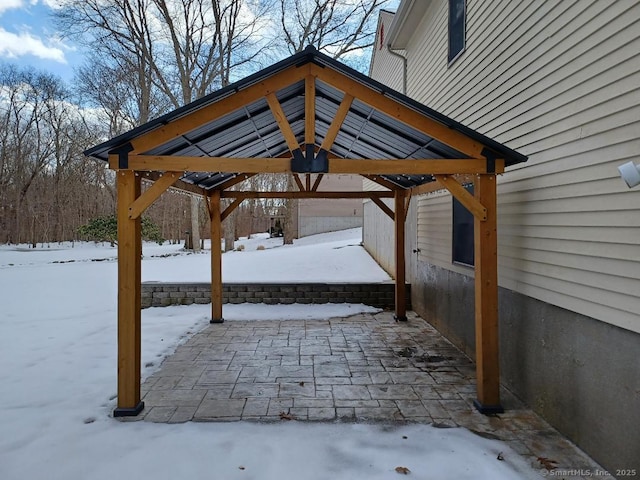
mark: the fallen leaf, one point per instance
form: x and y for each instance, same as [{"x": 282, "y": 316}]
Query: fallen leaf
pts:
[
  {"x": 301, "y": 384},
  {"x": 403, "y": 470},
  {"x": 287, "y": 416},
  {"x": 241, "y": 467},
  {"x": 500, "y": 457},
  {"x": 547, "y": 463},
  {"x": 404, "y": 437}
]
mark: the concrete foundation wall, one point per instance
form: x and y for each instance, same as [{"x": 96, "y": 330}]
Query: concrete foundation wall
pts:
[
  {"x": 313, "y": 225},
  {"x": 381, "y": 295},
  {"x": 582, "y": 375}
]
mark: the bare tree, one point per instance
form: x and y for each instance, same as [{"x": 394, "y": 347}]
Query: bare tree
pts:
[
  {"x": 44, "y": 178},
  {"x": 155, "y": 55},
  {"x": 335, "y": 27}
]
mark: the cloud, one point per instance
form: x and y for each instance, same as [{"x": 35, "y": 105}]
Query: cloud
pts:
[
  {"x": 9, "y": 4},
  {"x": 13, "y": 45}
]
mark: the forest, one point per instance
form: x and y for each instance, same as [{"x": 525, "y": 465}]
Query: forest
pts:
[{"x": 146, "y": 58}]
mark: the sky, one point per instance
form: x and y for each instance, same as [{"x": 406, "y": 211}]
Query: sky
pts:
[{"x": 28, "y": 37}]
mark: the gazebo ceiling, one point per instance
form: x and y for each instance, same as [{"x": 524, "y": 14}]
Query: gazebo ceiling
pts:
[{"x": 251, "y": 129}]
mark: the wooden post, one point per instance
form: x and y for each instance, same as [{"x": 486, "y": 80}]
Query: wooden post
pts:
[
  {"x": 486, "y": 298},
  {"x": 129, "y": 278},
  {"x": 216, "y": 259},
  {"x": 399, "y": 222}
]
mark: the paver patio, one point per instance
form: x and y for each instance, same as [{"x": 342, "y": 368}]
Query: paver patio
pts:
[{"x": 364, "y": 368}]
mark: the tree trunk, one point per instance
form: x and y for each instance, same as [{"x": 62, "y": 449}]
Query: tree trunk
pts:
[{"x": 195, "y": 223}]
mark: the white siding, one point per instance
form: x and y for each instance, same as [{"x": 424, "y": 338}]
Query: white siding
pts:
[
  {"x": 560, "y": 82},
  {"x": 386, "y": 67},
  {"x": 378, "y": 235}
]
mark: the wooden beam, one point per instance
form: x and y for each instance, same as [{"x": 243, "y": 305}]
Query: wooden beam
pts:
[
  {"x": 308, "y": 182},
  {"x": 463, "y": 196},
  {"x": 227, "y": 211},
  {"x": 296, "y": 177},
  {"x": 399, "y": 224},
  {"x": 129, "y": 297},
  {"x": 283, "y": 123},
  {"x": 397, "y": 166},
  {"x": 216, "y": 259},
  {"x": 384, "y": 208},
  {"x": 152, "y": 193},
  {"x": 210, "y": 164},
  {"x": 338, "y": 119},
  {"x": 316, "y": 184},
  {"x": 374, "y": 166},
  {"x": 486, "y": 298},
  {"x": 382, "y": 181},
  {"x": 178, "y": 185},
  {"x": 310, "y": 110},
  {"x": 399, "y": 111},
  {"x": 224, "y": 106},
  {"x": 406, "y": 205},
  {"x": 239, "y": 178},
  {"x": 306, "y": 194}
]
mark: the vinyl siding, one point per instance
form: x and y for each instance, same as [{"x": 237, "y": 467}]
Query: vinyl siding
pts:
[
  {"x": 560, "y": 82},
  {"x": 385, "y": 66}
]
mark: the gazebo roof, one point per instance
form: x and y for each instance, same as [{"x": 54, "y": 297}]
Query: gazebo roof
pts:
[{"x": 377, "y": 123}]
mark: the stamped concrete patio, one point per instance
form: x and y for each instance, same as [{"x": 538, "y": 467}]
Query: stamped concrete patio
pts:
[{"x": 365, "y": 368}]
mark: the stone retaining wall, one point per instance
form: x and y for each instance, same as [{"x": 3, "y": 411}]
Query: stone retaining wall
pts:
[{"x": 379, "y": 295}]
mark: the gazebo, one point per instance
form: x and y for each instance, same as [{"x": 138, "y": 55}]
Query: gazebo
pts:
[{"x": 308, "y": 116}]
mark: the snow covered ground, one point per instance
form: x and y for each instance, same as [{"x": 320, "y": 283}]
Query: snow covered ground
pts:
[{"x": 58, "y": 377}]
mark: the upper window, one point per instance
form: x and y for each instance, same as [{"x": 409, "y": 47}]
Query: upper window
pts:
[{"x": 457, "y": 14}]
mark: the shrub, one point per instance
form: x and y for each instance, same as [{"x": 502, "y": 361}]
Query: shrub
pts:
[
  {"x": 240, "y": 248},
  {"x": 260, "y": 247},
  {"x": 105, "y": 229}
]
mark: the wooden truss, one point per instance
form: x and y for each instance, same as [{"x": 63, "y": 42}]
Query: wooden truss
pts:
[{"x": 166, "y": 172}]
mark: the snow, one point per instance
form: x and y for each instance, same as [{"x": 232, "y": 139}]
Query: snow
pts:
[{"x": 58, "y": 381}]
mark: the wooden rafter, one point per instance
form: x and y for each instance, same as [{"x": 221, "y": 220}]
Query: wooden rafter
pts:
[
  {"x": 283, "y": 123},
  {"x": 390, "y": 213},
  {"x": 227, "y": 211},
  {"x": 179, "y": 185},
  {"x": 338, "y": 119},
  {"x": 463, "y": 196},
  {"x": 309, "y": 110},
  {"x": 308, "y": 182},
  {"x": 316, "y": 184},
  {"x": 152, "y": 193},
  {"x": 379, "y": 166},
  {"x": 407, "y": 202},
  {"x": 222, "y": 107},
  {"x": 296, "y": 177},
  {"x": 406, "y": 115},
  {"x": 241, "y": 177},
  {"x": 382, "y": 182}
]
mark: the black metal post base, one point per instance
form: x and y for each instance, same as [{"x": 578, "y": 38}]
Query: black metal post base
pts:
[
  {"x": 128, "y": 412},
  {"x": 401, "y": 318},
  {"x": 216, "y": 320},
  {"x": 487, "y": 409}
]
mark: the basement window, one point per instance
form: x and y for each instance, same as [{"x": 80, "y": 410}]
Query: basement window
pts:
[
  {"x": 457, "y": 29},
  {"x": 463, "y": 252}
]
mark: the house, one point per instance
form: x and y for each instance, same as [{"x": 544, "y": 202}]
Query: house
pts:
[
  {"x": 560, "y": 83},
  {"x": 320, "y": 215}
]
